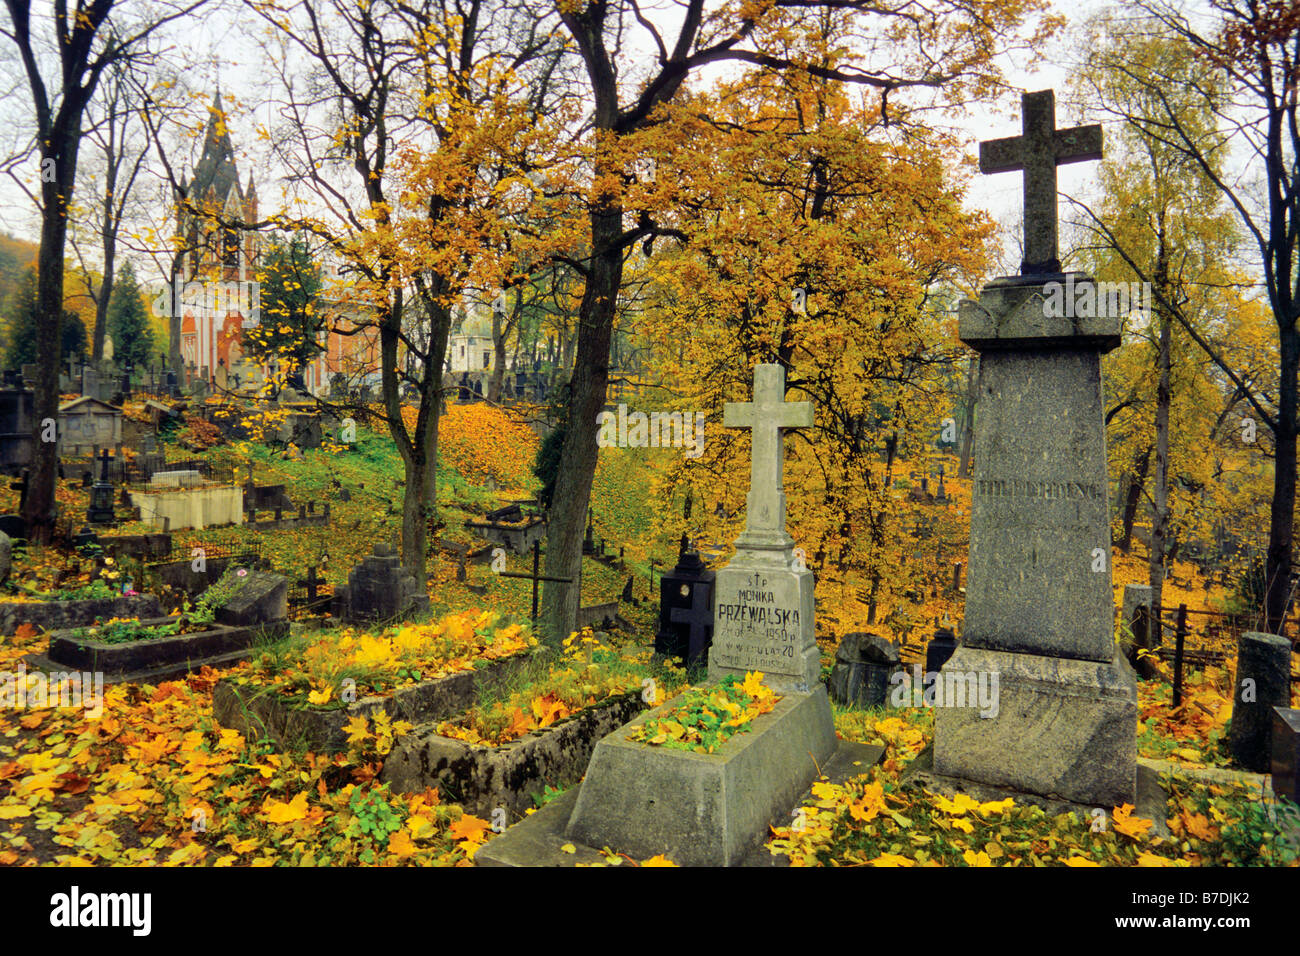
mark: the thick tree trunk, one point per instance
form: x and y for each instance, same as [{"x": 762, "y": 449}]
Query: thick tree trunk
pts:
[
  {"x": 1281, "y": 517},
  {"x": 418, "y": 446},
  {"x": 56, "y": 196},
  {"x": 566, "y": 520}
]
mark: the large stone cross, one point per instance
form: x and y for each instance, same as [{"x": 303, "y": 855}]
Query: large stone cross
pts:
[
  {"x": 1039, "y": 149},
  {"x": 769, "y": 414}
]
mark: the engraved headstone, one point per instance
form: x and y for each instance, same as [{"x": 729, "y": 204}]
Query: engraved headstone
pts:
[
  {"x": 1039, "y": 605},
  {"x": 763, "y": 599}
]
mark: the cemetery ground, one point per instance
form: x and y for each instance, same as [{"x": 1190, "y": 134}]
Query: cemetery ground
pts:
[{"x": 160, "y": 778}]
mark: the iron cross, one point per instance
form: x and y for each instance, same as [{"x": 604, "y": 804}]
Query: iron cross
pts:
[{"x": 1039, "y": 149}]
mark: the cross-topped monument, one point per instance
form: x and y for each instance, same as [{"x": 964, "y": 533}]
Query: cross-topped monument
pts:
[
  {"x": 1039, "y": 149},
  {"x": 1039, "y": 605},
  {"x": 763, "y": 599},
  {"x": 768, "y": 415}
]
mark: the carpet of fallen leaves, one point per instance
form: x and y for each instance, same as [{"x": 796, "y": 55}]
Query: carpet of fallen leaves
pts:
[
  {"x": 878, "y": 819},
  {"x": 155, "y": 780}
]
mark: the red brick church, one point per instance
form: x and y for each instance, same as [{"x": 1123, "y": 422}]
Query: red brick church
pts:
[{"x": 223, "y": 263}]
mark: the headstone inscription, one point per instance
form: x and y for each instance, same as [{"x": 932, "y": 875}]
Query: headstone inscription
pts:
[
  {"x": 763, "y": 599},
  {"x": 1039, "y": 606}
]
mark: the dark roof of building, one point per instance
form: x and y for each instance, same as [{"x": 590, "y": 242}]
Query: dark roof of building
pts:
[{"x": 216, "y": 167}]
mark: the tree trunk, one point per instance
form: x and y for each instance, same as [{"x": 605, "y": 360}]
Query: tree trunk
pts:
[
  {"x": 418, "y": 446},
  {"x": 566, "y": 520},
  {"x": 40, "y": 512},
  {"x": 1281, "y": 530},
  {"x": 1137, "y": 481},
  {"x": 1160, "y": 489}
]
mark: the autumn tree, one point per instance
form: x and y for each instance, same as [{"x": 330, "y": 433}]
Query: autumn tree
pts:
[
  {"x": 117, "y": 155},
  {"x": 1253, "y": 46},
  {"x": 1162, "y": 211},
  {"x": 812, "y": 239},
  {"x": 61, "y": 77},
  {"x": 440, "y": 110},
  {"x": 902, "y": 46}
]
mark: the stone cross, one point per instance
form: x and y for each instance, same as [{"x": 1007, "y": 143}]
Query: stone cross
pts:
[
  {"x": 1039, "y": 149},
  {"x": 768, "y": 415}
]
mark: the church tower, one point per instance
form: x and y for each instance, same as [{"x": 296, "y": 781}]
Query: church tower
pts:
[{"x": 220, "y": 259}]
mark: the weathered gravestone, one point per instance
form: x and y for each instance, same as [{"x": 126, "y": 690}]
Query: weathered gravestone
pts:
[
  {"x": 1263, "y": 682},
  {"x": 685, "y": 608},
  {"x": 86, "y": 423},
  {"x": 711, "y": 809},
  {"x": 379, "y": 589},
  {"x": 763, "y": 599},
  {"x": 255, "y": 597},
  {"x": 1285, "y": 766},
  {"x": 865, "y": 665},
  {"x": 1039, "y": 607}
]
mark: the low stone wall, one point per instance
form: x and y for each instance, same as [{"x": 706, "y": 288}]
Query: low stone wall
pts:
[
  {"x": 483, "y": 778},
  {"x": 157, "y": 545},
  {"x": 196, "y": 508},
  {"x": 64, "y": 615},
  {"x": 255, "y": 712}
]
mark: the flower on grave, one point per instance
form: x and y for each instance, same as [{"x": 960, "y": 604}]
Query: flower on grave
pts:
[{"x": 241, "y": 572}]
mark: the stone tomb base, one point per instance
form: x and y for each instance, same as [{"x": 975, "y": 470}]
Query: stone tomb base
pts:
[
  {"x": 695, "y": 809},
  {"x": 1064, "y": 728}
]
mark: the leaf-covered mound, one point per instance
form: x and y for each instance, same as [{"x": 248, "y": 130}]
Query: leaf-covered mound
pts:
[
  {"x": 709, "y": 716},
  {"x": 315, "y": 674},
  {"x": 593, "y": 672}
]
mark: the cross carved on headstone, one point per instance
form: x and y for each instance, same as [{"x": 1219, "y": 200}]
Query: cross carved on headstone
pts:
[
  {"x": 700, "y": 618},
  {"x": 1039, "y": 149},
  {"x": 768, "y": 415}
]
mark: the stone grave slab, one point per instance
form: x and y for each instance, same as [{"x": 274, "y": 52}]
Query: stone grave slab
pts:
[
  {"x": 158, "y": 659},
  {"x": 703, "y": 809},
  {"x": 256, "y": 712},
  {"x": 540, "y": 838},
  {"x": 482, "y": 778},
  {"x": 257, "y": 597}
]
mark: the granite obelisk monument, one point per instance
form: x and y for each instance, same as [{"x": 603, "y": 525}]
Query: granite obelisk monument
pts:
[{"x": 1039, "y": 605}]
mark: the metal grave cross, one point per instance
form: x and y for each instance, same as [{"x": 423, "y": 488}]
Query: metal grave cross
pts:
[
  {"x": 1039, "y": 149},
  {"x": 768, "y": 415}
]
